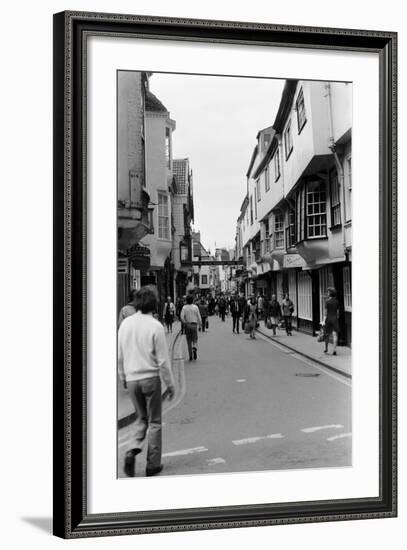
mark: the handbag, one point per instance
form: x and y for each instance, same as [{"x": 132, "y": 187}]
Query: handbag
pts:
[
  {"x": 321, "y": 335},
  {"x": 247, "y": 327}
]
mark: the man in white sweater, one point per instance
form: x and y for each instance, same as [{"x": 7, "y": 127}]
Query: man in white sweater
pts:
[
  {"x": 142, "y": 360},
  {"x": 191, "y": 319}
]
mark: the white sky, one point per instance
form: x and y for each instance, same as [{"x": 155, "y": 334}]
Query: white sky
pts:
[{"x": 217, "y": 122}]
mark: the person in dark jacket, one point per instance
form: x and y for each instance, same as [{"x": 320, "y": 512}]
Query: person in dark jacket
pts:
[
  {"x": 266, "y": 309},
  {"x": 243, "y": 308},
  {"x": 169, "y": 314},
  {"x": 331, "y": 320},
  {"x": 203, "y": 310},
  {"x": 274, "y": 312},
  {"x": 211, "y": 305},
  {"x": 236, "y": 312},
  {"x": 222, "y": 304},
  {"x": 288, "y": 309},
  {"x": 252, "y": 317}
]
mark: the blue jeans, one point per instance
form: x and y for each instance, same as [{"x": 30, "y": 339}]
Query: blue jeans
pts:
[
  {"x": 191, "y": 333},
  {"x": 146, "y": 398}
]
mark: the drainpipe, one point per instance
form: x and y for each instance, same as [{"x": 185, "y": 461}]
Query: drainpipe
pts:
[{"x": 339, "y": 168}]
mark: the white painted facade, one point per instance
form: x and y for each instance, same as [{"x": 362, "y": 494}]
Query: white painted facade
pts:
[{"x": 297, "y": 214}]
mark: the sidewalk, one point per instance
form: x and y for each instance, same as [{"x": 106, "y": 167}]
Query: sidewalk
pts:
[
  {"x": 125, "y": 409},
  {"x": 307, "y": 345}
]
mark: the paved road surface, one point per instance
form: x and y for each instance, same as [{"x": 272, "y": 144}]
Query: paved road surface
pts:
[{"x": 249, "y": 405}]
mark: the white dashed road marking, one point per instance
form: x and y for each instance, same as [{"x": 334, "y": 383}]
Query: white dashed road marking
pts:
[
  {"x": 317, "y": 428},
  {"x": 241, "y": 380},
  {"x": 255, "y": 439},
  {"x": 340, "y": 436},
  {"x": 214, "y": 461},
  {"x": 187, "y": 451}
]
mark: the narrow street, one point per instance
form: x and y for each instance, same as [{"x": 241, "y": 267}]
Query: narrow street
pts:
[{"x": 248, "y": 405}]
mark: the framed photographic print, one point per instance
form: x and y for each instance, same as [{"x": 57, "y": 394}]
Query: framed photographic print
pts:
[{"x": 224, "y": 274}]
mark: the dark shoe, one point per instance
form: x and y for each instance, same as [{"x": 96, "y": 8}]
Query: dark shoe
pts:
[
  {"x": 190, "y": 358},
  {"x": 130, "y": 462},
  {"x": 194, "y": 353},
  {"x": 325, "y": 351},
  {"x": 334, "y": 353},
  {"x": 154, "y": 471}
]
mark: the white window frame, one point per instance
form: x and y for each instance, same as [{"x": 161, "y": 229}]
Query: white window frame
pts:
[
  {"x": 288, "y": 140},
  {"x": 301, "y": 114},
  {"x": 266, "y": 179},
  {"x": 348, "y": 188},
  {"x": 279, "y": 230},
  {"x": 313, "y": 212},
  {"x": 347, "y": 288},
  {"x": 335, "y": 193},
  {"x": 304, "y": 296},
  {"x": 168, "y": 147},
  {"x": 277, "y": 166},
  {"x": 163, "y": 216}
]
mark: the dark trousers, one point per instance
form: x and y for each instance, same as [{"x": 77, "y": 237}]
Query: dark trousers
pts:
[
  {"x": 288, "y": 324},
  {"x": 236, "y": 319},
  {"x": 222, "y": 313},
  {"x": 146, "y": 398},
  {"x": 191, "y": 333},
  {"x": 204, "y": 320}
]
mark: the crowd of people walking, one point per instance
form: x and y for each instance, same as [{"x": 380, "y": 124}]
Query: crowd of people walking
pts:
[{"x": 143, "y": 356}]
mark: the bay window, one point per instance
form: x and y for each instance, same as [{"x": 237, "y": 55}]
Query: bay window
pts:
[{"x": 311, "y": 211}]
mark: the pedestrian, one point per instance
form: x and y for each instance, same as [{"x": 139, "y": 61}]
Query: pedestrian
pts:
[
  {"x": 243, "y": 308},
  {"x": 129, "y": 308},
  {"x": 275, "y": 313},
  {"x": 236, "y": 312},
  {"x": 222, "y": 307},
  {"x": 331, "y": 322},
  {"x": 203, "y": 310},
  {"x": 191, "y": 319},
  {"x": 288, "y": 310},
  {"x": 142, "y": 360},
  {"x": 169, "y": 313},
  {"x": 180, "y": 304},
  {"x": 266, "y": 309},
  {"x": 211, "y": 305},
  {"x": 260, "y": 302},
  {"x": 252, "y": 317}
]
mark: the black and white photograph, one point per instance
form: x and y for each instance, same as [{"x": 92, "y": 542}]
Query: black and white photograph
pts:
[{"x": 234, "y": 274}]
